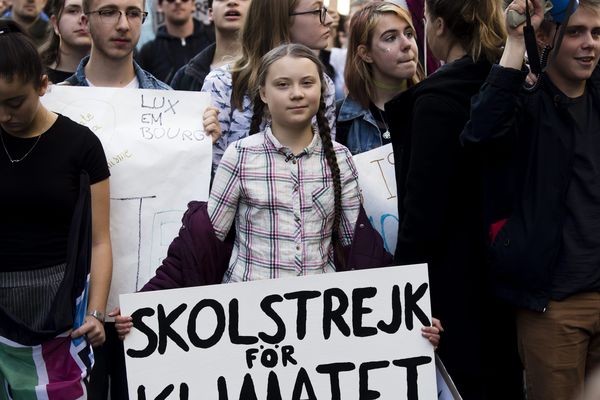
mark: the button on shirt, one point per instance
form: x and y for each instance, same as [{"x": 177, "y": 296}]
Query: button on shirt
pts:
[{"x": 283, "y": 207}]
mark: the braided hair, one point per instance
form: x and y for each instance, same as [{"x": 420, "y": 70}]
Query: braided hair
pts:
[{"x": 259, "y": 109}]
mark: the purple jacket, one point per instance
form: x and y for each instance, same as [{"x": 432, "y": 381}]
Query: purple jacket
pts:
[{"x": 196, "y": 257}]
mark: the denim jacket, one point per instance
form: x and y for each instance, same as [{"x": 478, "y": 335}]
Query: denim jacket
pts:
[
  {"x": 356, "y": 127},
  {"x": 145, "y": 78}
]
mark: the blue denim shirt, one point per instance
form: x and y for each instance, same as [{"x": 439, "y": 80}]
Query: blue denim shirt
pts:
[
  {"x": 145, "y": 78},
  {"x": 363, "y": 135}
]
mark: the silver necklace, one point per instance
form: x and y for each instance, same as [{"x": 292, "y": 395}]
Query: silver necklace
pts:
[
  {"x": 15, "y": 160},
  {"x": 386, "y": 135}
]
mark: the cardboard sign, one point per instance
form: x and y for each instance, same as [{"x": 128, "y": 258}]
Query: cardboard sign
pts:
[
  {"x": 159, "y": 159},
  {"x": 377, "y": 181},
  {"x": 347, "y": 335}
]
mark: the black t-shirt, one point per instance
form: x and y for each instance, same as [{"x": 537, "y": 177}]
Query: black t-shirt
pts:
[
  {"x": 578, "y": 267},
  {"x": 56, "y": 76},
  {"x": 38, "y": 194},
  {"x": 382, "y": 125}
]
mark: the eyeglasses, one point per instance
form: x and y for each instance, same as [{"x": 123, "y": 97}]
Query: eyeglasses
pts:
[
  {"x": 321, "y": 11},
  {"x": 113, "y": 15}
]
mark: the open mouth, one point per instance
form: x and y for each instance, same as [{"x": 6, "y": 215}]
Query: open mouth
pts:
[
  {"x": 232, "y": 14},
  {"x": 587, "y": 59}
]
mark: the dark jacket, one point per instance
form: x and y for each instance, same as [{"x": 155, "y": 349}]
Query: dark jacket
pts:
[
  {"x": 164, "y": 55},
  {"x": 191, "y": 76},
  {"x": 440, "y": 213},
  {"x": 197, "y": 257},
  {"x": 439, "y": 203},
  {"x": 528, "y": 141}
]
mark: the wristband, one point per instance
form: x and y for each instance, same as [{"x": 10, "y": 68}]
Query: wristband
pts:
[{"x": 97, "y": 314}]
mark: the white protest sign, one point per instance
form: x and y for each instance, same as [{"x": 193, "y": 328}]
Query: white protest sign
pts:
[
  {"x": 159, "y": 160},
  {"x": 347, "y": 335},
  {"x": 377, "y": 181}
]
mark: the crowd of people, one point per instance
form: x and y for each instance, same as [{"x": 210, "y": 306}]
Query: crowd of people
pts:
[{"x": 492, "y": 111}]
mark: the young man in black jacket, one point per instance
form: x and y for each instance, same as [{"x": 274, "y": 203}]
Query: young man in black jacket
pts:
[
  {"x": 176, "y": 42},
  {"x": 543, "y": 171}
]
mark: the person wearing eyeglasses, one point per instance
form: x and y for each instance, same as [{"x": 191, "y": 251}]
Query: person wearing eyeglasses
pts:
[
  {"x": 176, "y": 42},
  {"x": 269, "y": 24},
  {"x": 114, "y": 26}
]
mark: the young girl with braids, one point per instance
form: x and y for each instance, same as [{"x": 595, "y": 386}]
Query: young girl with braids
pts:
[
  {"x": 291, "y": 192},
  {"x": 440, "y": 198},
  {"x": 269, "y": 24}
]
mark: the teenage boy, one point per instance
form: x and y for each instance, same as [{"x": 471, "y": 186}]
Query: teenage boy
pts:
[
  {"x": 177, "y": 42},
  {"x": 114, "y": 27},
  {"x": 228, "y": 18},
  {"x": 542, "y": 155}
]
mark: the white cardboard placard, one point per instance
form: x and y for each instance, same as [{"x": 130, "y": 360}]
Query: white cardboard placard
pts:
[
  {"x": 159, "y": 159},
  {"x": 244, "y": 337}
]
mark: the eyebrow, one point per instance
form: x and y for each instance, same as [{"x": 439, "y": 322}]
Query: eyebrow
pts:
[
  {"x": 582, "y": 27},
  {"x": 289, "y": 78},
  {"x": 389, "y": 31}
]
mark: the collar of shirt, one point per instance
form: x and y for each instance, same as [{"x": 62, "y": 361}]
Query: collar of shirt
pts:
[{"x": 271, "y": 140}]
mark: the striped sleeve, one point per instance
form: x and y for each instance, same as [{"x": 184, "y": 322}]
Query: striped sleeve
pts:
[
  {"x": 351, "y": 196},
  {"x": 225, "y": 192}
]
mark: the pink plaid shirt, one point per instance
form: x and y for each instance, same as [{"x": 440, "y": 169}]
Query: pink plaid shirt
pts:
[{"x": 283, "y": 207}]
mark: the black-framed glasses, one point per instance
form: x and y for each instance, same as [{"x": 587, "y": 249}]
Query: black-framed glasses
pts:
[
  {"x": 321, "y": 11},
  {"x": 113, "y": 15}
]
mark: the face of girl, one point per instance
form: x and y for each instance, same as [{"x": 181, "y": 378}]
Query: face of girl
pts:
[
  {"x": 292, "y": 92},
  {"x": 19, "y": 104},
  {"x": 393, "y": 51},
  {"x": 70, "y": 28},
  {"x": 307, "y": 29}
]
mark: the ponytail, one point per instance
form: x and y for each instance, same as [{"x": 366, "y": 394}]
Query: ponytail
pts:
[{"x": 477, "y": 24}]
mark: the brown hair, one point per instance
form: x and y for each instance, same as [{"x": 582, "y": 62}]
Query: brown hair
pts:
[
  {"x": 478, "y": 25},
  {"x": 301, "y": 51},
  {"x": 267, "y": 26},
  {"x": 358, "y": 73},
  {"x": 50, "y": 49}
]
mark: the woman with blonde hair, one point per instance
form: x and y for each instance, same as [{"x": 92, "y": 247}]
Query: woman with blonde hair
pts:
[
  {"x": 382, "y": 61},
  {"x": 440, "y": 201},
  {"x": 269, "y": 23}
]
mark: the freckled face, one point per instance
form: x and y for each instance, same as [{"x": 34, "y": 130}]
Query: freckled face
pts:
[{"x": 393, "y": 49}]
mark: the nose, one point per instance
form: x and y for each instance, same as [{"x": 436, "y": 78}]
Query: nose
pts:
[
  {"x": 296, "y": 92},
  {"x": 588, "y": 41},
  {"x": 328, "y": 20},
  {"x": 122, "y": 22},
  {"x": 405, "y": 43}
]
